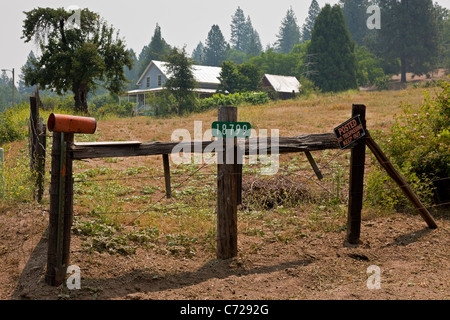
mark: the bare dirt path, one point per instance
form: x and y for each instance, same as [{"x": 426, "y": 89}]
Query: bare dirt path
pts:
[{"x": 413, "y": 262}]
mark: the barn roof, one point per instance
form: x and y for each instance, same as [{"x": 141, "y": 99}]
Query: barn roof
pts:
[{"x": 283, "y": 83}]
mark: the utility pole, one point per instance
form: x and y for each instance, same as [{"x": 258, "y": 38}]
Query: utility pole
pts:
[{"x": 13, "y": 84}]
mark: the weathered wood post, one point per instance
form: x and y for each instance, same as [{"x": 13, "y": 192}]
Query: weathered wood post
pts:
[
  {"x": 37, "y": 135},
  {"x": 40, "y": 161},
  {"x": 227, "y": 191},
  {"x": 68, "y": 202},
  {"x": 61, "y": 192},
  {"x": 167, "y": 175},
  {"x": 401, "y": 182},
  {"x": 356, "y": 190},
  {"x": 33, "y": 129},
  {"x": 61, "y": 209}
]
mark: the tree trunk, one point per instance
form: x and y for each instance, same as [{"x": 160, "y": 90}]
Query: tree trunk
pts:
[
  {"x": 403, "y": 69},
  {"x": 80, "y": 97}
]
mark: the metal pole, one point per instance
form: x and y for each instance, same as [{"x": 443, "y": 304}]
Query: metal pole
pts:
[
  {"x": 13, "y": 84},
  {"x": 14, "y": 88},
  {"x": 2, "y": 166}
]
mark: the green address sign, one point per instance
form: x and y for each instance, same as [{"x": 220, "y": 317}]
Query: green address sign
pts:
[{"x": 221, "y": 129}]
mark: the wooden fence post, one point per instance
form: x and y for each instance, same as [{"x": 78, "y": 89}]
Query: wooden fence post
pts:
[
  {"x": 33, "y": 130},
  {"x": 401, "y": 182},
  {"x": 68, "y": 202},
  {"x": 356, "y": 189},
  {"x": 227, "y": 191},
  {"x": 167, "y": 175},
  {"x": 40, "y": 161},
  {"x": 50, "y": 276},
  {"x": 61, "y": 209},
  {"x": 37, "y": 132}
]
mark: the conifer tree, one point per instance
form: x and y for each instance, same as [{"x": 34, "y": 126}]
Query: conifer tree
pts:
[
  {"x": 333, "y": 52},
  {"x": 239, "y": 30},
  {"x": 308, "y": 26},
  {"x": 199, "y": 53},
  {"x": 157, "y": 49},
  {"x": 289, "y": 34},
  {"x": 355, "y": 14},
  {"x": 253, "y": 46},
  {"x": 216, "y": 47}
]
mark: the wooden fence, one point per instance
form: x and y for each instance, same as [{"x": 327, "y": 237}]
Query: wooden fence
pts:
[
  {"x": 37, "y": 144},
  {"x": 229, "y": 181}
]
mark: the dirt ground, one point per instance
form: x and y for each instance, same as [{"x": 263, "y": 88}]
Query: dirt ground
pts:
[{"x": 413, "y": 263}]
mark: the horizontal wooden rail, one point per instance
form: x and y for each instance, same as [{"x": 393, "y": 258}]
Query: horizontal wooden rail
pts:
[{"x": 302, "y": 143}]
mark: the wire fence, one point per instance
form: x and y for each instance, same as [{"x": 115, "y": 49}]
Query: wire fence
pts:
[
  {"x": 144, "y": 197},
  {"x": 133, "y": 194},
  {"x": 296, "y": 170}
]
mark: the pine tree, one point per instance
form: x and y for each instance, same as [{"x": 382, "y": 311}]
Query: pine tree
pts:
[
  {"x": 289, "y": 34},
  {"x": 199, "y": 53},
  {"x": 132, "y": 74},
  {"x": 157, "y": 49},
  {"x": 216, "y": 47},
  {"x": 308, "y": 26},
  {"x": 409, "y": 32},
  {"x": 239, "y": 30},
  {"x": 253, "y": 46},
  {"x": 333, "y": 52},
  {"x": 355, "y": 14},
  {"x": 24, "y": 89}
]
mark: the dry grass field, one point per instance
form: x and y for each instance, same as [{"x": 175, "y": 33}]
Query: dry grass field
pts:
[{"x": 130, "y": 242}]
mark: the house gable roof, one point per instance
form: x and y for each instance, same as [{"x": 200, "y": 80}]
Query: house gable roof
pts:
[
  {"x": 202, "y": 74},
  {"x": 283, "y": 83}
]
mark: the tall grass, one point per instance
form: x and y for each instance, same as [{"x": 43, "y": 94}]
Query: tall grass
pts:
[{"x": 273, "y": 210}]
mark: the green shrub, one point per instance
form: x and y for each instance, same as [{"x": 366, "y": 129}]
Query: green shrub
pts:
[
  {"x": 307, "y": 87},
  {"x": 13, "y": 124},
  {"x": 219, "y": 99},
  {"x": 16, "y": 183},
  {"x": 418, "y": 145},
  {"x": 382, "y": 82},
  {"x": 114, "y": 109},
  {"x": 420, "y": 137}
]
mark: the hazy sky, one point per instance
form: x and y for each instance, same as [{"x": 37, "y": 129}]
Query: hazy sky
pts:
[{"x": 182, "y": 22}]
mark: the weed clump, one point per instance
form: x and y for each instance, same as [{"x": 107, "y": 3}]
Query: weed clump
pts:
[{"x": 272, "y": 191}]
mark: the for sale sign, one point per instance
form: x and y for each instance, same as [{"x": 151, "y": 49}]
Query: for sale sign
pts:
[{"x": 349, "y": 132}]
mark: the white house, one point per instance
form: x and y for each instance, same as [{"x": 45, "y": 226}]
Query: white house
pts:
[{"x": 156, "y": 74}]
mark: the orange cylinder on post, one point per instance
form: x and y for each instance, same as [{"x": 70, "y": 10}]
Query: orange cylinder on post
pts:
[{"x": 71, "y": 124}]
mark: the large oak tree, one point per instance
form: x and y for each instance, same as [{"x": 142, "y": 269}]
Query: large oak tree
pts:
[
  {"x": 409, "y": 32},
  {"x": 75, "y": 58}
]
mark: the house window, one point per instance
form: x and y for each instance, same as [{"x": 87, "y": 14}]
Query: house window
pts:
[
  {"x": 147, "y": 82},
  {"x": 159, "y": 81}
]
